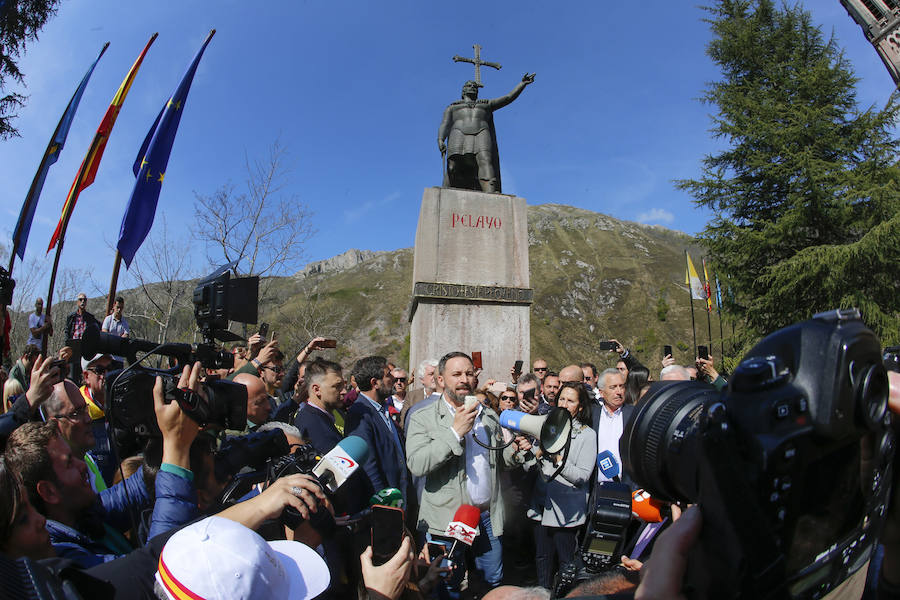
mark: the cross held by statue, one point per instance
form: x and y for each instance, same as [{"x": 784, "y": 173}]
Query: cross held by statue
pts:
[{"x": 477, "y": 62}]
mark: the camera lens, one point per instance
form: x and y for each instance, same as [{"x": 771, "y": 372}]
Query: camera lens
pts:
[{"x": 659, "y": 445}]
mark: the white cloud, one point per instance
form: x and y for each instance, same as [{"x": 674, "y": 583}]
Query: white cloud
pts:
[{"x": 656, "y": 215}]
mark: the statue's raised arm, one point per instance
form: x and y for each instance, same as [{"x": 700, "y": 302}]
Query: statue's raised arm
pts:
[{"x": 527, "y": 79}]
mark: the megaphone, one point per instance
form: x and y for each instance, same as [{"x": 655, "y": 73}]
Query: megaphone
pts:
[{"x": 553, "y": 429}]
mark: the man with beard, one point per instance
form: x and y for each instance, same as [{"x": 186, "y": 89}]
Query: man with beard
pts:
[
  {"x": 457, "y": 470},
  {"x": 549, "y": 390},
  {"x": 368, "y": 418}
]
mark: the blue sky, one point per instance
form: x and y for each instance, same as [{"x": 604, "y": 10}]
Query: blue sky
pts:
[{"x": 355, "y": 91}]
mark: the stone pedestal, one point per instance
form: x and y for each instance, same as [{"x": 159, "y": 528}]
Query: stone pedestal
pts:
[{"x": 471, "y": 288}]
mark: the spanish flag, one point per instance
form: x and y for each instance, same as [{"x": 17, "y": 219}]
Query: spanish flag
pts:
[
  {"x": 707, "y": 289},
  {"x": 91, "y": 162},
  {"x": 692, "y": 280}
]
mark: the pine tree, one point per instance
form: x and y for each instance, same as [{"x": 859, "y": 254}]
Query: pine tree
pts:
[
  {"x": 805, "y": 196},
  {"x": 20, "y": 22}
]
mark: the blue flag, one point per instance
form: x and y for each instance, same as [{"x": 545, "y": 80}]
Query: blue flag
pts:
[
  {"x": 51, "y": 155},
  {"x": 150, "y": 166},
  {"x": 718, "y": 296}
]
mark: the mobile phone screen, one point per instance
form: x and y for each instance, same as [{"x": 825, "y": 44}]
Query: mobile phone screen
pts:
[
  {"x": 435, "y": 550},
  {"x": 703, "y": 352},
  {"x": 387, "y": 532},
  {"x": 667, "y": 351},
  {"x": 518, "y": 366}
]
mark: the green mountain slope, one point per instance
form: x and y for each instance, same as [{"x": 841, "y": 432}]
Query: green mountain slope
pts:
[{"x": 594, "y": 277}]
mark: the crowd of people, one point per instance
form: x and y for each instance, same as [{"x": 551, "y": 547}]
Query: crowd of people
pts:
[{"x": 153, "y": 525}]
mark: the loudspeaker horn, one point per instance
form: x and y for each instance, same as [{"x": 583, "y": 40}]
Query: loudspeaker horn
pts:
[{"x": 553, "y": 429}]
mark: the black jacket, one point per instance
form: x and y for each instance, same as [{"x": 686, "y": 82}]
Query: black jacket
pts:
[{"x": 88, "y": 321}]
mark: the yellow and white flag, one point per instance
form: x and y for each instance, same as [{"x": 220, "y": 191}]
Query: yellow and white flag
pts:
[{"x": 692, "y": 280}]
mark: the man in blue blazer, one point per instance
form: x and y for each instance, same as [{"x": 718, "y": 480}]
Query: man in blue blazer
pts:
[
  {"x": 368, "y": 418},
  {"x": 325, "y": 383}
]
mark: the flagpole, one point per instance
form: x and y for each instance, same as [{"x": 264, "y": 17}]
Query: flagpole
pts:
[
  {"x": 691, "y": 300},
  {"x": 64, "y": 224},
  {"x": 721, "y": 335},
  {"x": 114, "y": 281}
]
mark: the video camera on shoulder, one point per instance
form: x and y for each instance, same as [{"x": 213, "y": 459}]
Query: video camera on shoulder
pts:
[
  {"x": 218, "y": 299},
  {"x": 792, "y": 463}
]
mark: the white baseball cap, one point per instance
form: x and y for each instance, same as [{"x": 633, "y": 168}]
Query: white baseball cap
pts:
[
  {"x": 85, "y": 363},
  {"x": 219, "y": 559}
]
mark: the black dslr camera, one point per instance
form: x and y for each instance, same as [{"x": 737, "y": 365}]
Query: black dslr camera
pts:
[
  {"x": 264, "y": 457},
  {"x": 791, "y": 464}
]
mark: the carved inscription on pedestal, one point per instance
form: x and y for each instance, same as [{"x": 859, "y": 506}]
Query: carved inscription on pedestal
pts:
[{"x": 484, "y": 293}]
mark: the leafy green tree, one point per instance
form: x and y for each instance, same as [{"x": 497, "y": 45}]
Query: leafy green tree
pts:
[
  {"x": 805, "y": 194},
  {"x": 20, "y": 22}
]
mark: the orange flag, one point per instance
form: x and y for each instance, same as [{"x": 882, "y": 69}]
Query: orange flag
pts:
[{"x": 91, "y": 162}]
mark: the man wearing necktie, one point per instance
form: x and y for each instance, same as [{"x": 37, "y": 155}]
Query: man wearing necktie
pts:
[{"x": 368, "y": 418}]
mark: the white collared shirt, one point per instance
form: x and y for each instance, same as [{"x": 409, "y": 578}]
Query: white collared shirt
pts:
[
  {"x": 609, "y": 430},
  {"x": 478, "y": 465}
]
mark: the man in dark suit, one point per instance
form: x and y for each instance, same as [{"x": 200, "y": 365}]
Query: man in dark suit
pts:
[
  {"x": 368, "y": 418},
  {"x": 610, "y": 415},
  {"x": 325, "y": 384}
]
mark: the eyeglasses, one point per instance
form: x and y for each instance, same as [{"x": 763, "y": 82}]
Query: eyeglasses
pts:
[
  {"x": 98, "y": 370},
  {"x": 276, "y": 368},
  {"x": 400, "y": 379}
]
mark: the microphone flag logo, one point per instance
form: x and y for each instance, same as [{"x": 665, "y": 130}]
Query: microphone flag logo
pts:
[{"x": 462, "y": 532}]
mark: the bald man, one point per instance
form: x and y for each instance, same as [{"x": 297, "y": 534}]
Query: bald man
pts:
[
  {"x": 571, "y": 373},
  {"x": 258, "y": 406}
]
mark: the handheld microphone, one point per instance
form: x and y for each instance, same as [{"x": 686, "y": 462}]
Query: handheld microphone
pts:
[
  {"x": 646, "y": 508},
  {"x": 608, "y": 465},
  {"x": 345, "y": 458},
  {"x": 387, "y": 497},
  {"x": 464, "y": 526}
]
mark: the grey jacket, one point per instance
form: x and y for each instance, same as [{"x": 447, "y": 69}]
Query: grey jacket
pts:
[
  {"x": 433, "y": 452},
  {"x": 563, "y": 501}
]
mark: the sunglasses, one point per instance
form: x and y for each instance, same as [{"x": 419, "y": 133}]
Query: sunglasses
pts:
[
  {"x": 509, "y": 398},
  {"x": 400, "y": 379},
  {"x": 540, "y": 368},
  {"x": 98, "y": 370}
]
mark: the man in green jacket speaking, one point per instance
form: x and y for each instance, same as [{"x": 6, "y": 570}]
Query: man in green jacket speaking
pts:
[{"x": 441, "y": 447}]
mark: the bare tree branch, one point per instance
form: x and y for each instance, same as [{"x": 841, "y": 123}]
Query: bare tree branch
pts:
[{"x": 264, "y": 231}]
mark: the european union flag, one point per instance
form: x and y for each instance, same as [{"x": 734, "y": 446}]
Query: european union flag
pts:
[
  {"x": 150, "y": 166},
  {"x": 51, "y": 155}
]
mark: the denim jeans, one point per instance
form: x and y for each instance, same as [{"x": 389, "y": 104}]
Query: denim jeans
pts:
[{"x": 488, "y": 554}]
